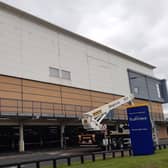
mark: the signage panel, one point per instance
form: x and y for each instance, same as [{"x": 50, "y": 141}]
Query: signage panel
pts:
[{"x": 140, "y": 130}]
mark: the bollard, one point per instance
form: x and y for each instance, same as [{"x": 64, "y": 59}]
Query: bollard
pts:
[
  {"x": 37, "y": 164},
  {"x": 130, "y": 152},
  {"x": 104, "y": 155},
  {"x": 113, "y": 154},
  {"x": 93, "y": 157},
  {"x": 164, "y": 146},
  {"x": 69, "y": 161},
  {"x": 54, "y": 163},
  {"x": 122, "y": 153},
  {"x": 82, "y": 159},
  {"x": 18, "y": 166}
]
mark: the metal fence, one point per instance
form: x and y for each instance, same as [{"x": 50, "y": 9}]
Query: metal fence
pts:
[{"x": 82, "y": 158}]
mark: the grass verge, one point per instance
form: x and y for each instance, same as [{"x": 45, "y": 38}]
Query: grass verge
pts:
[{"x": 158, "y": 160}]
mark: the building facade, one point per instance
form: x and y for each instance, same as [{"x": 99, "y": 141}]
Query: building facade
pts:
[{"x": 50, "y": 76}]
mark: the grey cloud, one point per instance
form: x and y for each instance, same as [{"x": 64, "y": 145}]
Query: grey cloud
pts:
[{"x": 152, "y": 11}]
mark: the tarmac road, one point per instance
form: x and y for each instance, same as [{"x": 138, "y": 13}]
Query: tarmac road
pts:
[{"x": 29, "y": 156}]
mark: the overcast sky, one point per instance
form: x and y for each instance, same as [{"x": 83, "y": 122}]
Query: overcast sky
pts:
[{"x": 136, "y": 27}]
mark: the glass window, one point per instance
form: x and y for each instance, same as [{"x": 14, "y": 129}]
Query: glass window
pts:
[
  {"x": 146, "y": 87},
  {"x": 54, "y": 72},
  {"x": 66, "y": 75},
  {"x": 138, "y": 85}
]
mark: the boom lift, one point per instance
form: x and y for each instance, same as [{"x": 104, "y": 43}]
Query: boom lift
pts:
[{"x": 91, "y": 120}]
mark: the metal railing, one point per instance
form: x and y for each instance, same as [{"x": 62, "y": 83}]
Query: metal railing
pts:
[
  {"x": 28, "y": 108},
  {"x": 17, "y": 107},
  {"x": 69, "y": 159}
]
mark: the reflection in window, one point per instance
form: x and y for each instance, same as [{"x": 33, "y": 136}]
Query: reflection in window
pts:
[
  {"x": 54, "y": 72},
  {"x": 146, "y": 87},
  {"x": 158, "y": 90},
  {"x": 136, "y": 90}
]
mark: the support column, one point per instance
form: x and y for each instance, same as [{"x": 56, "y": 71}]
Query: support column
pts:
[
  {"x": 21, "y": 138},
  {"x": 62, "y": 135}
]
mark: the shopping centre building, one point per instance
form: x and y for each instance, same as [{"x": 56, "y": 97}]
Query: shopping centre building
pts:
[{"x": 50, "y": 76}]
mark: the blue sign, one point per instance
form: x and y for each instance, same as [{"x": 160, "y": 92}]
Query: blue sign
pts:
[{"x": 140, "y": 130}]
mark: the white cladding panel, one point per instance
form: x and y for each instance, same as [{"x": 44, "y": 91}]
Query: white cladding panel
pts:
[{"x": 28, "y": 49}]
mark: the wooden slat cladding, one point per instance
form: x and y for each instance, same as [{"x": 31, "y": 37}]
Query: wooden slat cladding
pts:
[
  {"x": 10, "y": 105},
  {"x": 75, "y": 90},
  {"x": 10, "y": 80},
  {"x": 76, "y": 102},
  {"x": 156, "y": 107},
  {"x": 34, "y": 84},
  {"x": 102, "y": 100},
  {"x": 10, "y": 87},
  {"x": 42, "y": 92},
  {"x": 102, "y": 95},
  {"x": 99, "y": 99},
  {"x": 75, "y": 96},
  {"x": 97, "y": 104},
  {"x": 162, "y": 132},
  {"x": 41, "y": 98},
  {"x": 9, "y": 110},
  {"x": 10, "y": 95},
  {"x": 70, "y": 98},
  {"x": 37, "y": 91},
  {"x": 9, "y": 102},
  {"x": 16, "y": 88}
]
